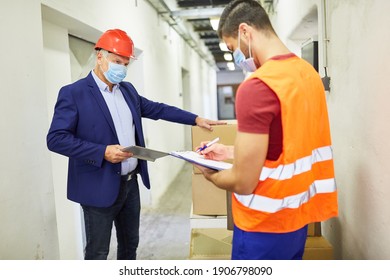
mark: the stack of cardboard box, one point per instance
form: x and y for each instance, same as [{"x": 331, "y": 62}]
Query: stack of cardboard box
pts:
[
  {"x": 216, "y": 243},
  {"x": 211, "y": 217},
  {"x": 209, "y": 206}
]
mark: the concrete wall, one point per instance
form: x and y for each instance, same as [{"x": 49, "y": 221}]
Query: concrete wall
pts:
[
  {"x": 358, "y": 66},
  {"x": 358, "y": 51},
  {"x": 37, "y": 220},
  {"x": 27, "y": 218}
]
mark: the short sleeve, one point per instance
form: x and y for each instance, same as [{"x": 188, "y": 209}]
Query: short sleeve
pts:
[{"x": 256, "y": 107}]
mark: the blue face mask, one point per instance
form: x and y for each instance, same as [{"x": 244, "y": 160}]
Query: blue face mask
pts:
[
  {"x": 246, "y": 64},
  {"x": 115, "y": 73}
]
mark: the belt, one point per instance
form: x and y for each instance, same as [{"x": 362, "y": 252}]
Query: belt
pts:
[{"x": 129, "y": 176}]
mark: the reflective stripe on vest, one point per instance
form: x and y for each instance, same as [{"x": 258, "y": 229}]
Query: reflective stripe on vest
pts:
[
  {"x": 271, "y": 205},
  {"x": 283, "y": 172}
]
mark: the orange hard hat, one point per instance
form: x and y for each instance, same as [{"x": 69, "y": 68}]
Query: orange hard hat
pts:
[{"x": 116, "y": 41}]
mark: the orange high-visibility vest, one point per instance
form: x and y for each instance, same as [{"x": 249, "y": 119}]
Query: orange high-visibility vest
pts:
[{"x": 299, "y": 188}]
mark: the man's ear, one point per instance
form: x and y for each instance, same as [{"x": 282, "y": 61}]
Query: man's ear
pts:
[
  {"x": 243, "y": 28},
  {"x": 244, "y": 31}
]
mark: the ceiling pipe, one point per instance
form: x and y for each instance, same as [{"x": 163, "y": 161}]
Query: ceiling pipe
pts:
[
  {"x": 326, "y": 79},
  {"x": 177, "y": 24}
]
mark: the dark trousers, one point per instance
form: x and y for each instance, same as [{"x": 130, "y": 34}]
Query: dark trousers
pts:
[{"x": 125, "y": 214}]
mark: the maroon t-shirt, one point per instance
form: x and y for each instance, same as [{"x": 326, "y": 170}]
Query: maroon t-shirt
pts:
[{"x": 258, "y": 111}]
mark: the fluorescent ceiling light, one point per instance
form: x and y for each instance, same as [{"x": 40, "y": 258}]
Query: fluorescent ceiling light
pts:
[
  {"x": 230, "y": 66},
  {"x": 228, "y": 56},
  {"x": 223, "y": 47},
  {"x": 198, "y": 13},
  {"x": 214, "y": 23}
]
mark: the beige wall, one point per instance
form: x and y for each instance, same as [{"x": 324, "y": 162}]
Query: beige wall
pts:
[
  {"x": 358, "y": 63},
  {"x": 27, "y": 213}
]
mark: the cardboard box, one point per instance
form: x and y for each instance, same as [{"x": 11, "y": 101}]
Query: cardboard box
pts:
[
  {"x": 230, "y": 222},
  {"x": 226, "y": 133},
  {"x": 207, "y": 199},
  {"x": 314, "y": 229},
  {"x": 216, "y": 244},
  {"x": 318, "y": 248},
  {"x": 211, "y": 244}
]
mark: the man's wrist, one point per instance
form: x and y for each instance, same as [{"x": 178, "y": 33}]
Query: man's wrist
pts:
[{"x": 196, "y": 120}]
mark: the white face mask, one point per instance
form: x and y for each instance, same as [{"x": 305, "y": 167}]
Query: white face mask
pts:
[{"x": 246, "y": 64}]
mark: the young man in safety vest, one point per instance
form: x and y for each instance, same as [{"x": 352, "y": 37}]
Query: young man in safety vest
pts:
[
  {"x": 282, "y": 177},
  {"x": 94, "y": 119}
]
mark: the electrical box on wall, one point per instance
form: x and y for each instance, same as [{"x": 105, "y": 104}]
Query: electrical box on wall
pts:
[{"x": 309, "y": 52}]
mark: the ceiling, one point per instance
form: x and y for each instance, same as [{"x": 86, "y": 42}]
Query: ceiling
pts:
[
  {"x": 197, "y": 14},
  {"x": 201, "y": 24}
]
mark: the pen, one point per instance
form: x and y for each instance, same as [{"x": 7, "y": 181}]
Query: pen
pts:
[{"x": 208, "y": 145}]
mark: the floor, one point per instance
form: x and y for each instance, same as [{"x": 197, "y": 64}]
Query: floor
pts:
[{"x": 165, "y": 228}]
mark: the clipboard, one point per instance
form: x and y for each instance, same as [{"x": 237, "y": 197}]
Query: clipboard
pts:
[
  {"x": 144, "y": 153},
  {"x": 198, "y": 159},
  {"x": 189, "y": 156}
]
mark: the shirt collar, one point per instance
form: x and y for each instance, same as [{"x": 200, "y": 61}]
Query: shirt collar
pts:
[{"x": 102, "y": 85}]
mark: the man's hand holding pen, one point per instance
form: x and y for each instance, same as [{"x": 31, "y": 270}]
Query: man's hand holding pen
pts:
[{"x": 215, "y": 151}]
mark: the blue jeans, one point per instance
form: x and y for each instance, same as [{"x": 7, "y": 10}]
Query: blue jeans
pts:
[
  {"x": 268, "y": 246},
  {"x": 125, "y": 213}
]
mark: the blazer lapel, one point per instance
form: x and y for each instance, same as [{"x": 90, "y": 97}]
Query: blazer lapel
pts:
[{"x": 101, "y": 102}]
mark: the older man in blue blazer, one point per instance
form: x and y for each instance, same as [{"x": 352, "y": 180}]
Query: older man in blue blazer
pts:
[{"x": 94, "y": 118}]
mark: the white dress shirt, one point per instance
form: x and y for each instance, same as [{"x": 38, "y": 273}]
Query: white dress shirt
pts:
[{"x": 122, "y": 117}]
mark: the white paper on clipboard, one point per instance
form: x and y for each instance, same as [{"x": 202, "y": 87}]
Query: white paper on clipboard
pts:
[{"x": 196, "y": 158}]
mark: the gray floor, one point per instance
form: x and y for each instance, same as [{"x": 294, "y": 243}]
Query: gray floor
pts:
[{"x": 165, "y": 229}]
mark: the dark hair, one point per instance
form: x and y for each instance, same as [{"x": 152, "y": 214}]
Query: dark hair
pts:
[{"x": 239, "y": 11}]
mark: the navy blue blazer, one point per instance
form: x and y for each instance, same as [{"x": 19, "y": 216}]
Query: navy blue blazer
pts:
[{"x": 81, "y": 129}]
